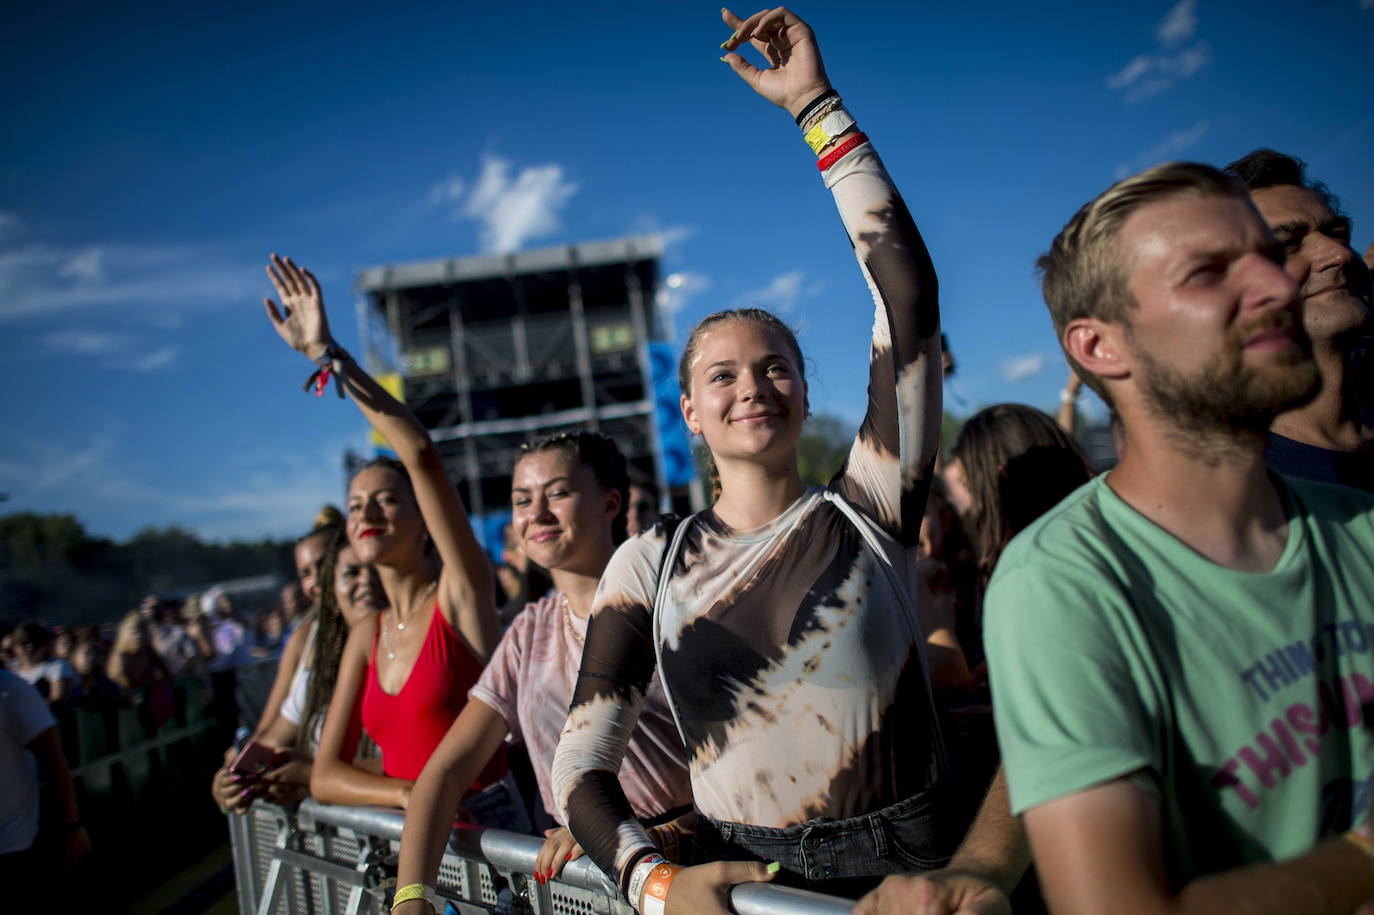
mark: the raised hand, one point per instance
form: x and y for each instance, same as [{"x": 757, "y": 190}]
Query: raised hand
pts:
[
  {"x": 797, "y": 74},
  {"x": 300, "y": 320}
]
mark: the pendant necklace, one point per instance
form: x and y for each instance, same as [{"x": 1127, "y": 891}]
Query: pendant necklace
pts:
[{"x": 387, "y": 641}]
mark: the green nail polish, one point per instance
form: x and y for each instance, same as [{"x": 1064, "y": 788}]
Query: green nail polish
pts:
[
  {"x": 774, "y": 867},
  {"x": 725, "y": 60}
]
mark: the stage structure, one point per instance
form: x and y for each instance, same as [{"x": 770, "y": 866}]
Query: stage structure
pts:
[{"x": 493, "y": 351}]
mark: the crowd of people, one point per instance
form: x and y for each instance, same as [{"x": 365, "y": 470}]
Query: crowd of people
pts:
[{"x": 940, "y": 683}]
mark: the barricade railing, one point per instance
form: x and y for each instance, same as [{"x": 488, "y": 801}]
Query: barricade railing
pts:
[{"x": 319, "y": 858}]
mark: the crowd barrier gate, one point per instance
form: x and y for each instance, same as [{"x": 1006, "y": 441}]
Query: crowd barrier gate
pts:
[{"x": 318, "y": 858}]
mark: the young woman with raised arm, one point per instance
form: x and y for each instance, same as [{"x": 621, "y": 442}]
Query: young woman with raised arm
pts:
[
  {"x": 785, "y": 632},
  {"x": 568, "y": 497},
  {"x": 404, "y": 675}
]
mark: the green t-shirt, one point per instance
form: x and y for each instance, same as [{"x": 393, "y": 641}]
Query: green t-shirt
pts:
[{"x": 1117, "y": 651}]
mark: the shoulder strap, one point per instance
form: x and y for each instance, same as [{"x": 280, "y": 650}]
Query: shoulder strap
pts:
[{"x": 674, "y": 528}]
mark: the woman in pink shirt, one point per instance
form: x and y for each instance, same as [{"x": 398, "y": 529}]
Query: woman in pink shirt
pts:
[{"x": 568, "y": 494}]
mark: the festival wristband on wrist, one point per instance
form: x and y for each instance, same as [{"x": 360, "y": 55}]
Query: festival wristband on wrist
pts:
[
  {"x": 639, "y": 875},
  {"x": 656, "y": 888},
  {"x": 1361, "y": 838},
  {"x": 828, "y": 130},
  {"x": 839, "y": 152},
  {"x": 815, "y": 117},
  {"x": 330, "y": 362},
  {"x": 416, "y": 891},
  {"x": 815, "y": 103}
]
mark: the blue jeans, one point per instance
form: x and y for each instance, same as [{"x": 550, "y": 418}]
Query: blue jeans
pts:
[
  {"x": 842, "y": 857},
  {"x": 498, "y": 806}
]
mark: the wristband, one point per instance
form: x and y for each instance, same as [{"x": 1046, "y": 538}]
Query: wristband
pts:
[
  {"x": 828, "y": 130},
  {"x": 815, "y": 116},
  {"x": 1361, "y": 839},
  {"x": 1067, "y": 396},
  {"x": 329, "y": 362},
  {"x": 416, "y": 891},
  {"x": 640, "y": 875},
  {"x": 814, "y": 104},
  {"x": 842, "y": 150},
  {"x": 668, "y": 839},
  {"x": 656, "y": 888}
]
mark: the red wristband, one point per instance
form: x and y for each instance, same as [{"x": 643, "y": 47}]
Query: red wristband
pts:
[{"x": 842, "y": 150}]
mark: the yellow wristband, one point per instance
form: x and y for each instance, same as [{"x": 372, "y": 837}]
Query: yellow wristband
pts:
[
  {"x": 830, "y": 127},
  {"x": 1361, "y": 839},
  {"x": 415, "y": 891}
]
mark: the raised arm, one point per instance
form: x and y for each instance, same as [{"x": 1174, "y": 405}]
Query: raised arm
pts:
[
  {"x": 889, "y": 467},
  {"x": 334, "y": 779},
  {"x": 466, "y": 591}
]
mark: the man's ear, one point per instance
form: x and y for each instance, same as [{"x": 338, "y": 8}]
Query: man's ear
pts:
[
  {"x": 689, "y": 415},
  {"x": 1099, "y": 347}
]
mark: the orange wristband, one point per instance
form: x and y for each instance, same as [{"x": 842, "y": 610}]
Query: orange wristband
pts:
[
  {"x": 1360, "y": 838},
  {"x": 656, "y": 888}
]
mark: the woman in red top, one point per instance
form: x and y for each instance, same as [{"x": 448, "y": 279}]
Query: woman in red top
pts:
[{"x": 405, "y": 674}]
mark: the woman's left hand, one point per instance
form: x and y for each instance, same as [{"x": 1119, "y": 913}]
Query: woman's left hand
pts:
[
  {"x": 797, "y": 74},
  {"x": 559, "y": 848}
]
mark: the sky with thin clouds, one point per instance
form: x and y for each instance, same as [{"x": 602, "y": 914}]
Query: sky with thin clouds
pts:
[{"x": 144, "y": 181}]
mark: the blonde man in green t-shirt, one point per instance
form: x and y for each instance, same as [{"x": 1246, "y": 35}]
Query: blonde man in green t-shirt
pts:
[{"x": 1181, "y": 651}]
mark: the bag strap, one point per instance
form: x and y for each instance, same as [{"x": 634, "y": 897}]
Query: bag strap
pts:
[{"x": 674, "y": 529}]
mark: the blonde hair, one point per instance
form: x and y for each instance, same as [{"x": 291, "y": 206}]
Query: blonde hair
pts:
[{"x": 1084, "y": 274}]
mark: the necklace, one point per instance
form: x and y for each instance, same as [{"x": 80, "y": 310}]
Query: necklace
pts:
[
  {"x": 578, "y": 637},
  {"x": 387, "y": 642}
]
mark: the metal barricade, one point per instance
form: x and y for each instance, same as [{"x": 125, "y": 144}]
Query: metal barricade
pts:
[{"x": 324, "y": 859}]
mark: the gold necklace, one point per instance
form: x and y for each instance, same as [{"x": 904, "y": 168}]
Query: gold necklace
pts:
[
  {"x": 401, "y": 624},
  {"x": 567, "y": 619}
]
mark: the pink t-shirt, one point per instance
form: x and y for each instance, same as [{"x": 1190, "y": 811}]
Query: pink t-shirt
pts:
[{"x": 529, "y": 681}]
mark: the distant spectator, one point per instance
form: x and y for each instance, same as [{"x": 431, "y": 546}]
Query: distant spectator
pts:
[
  {"x": 7, "y": 651},
  {"x": 62, "y": 643},
  {"x": 97, "y": 690},
  {"x": 171, "y": 638},
  {"x": 134, "y": 661},
  {"x": 643, "y": 510},
  {"x": 29, "y": 751},
  {"x": 53, "y": 677},
  {"x": 521, "y": 580},
  {"x": 293, "y": 605},
  {"x": 229, "y": 635},
  {"x": 269, "y": 634}
]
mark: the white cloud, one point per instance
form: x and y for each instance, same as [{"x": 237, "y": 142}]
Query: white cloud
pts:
[
  {"x": 782, "y": 294},
  {"x": 1149, "y": 74},
  {"x": 1165, "y": 150},
  {"x": 86, "y": 267},
  {"x": 676, "y": 235},
  {"x": 154, "y": 360},
  {"x": 510, "y": 211},
  {"x": 1019, "y": 368},
  {"x": 144, "y": 280},
  {"x": 124, "y": 350},
  {"x": 1179, "y": 24}
]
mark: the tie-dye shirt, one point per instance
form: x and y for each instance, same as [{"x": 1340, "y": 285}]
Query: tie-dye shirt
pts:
[{"x": 795, "y": 664}]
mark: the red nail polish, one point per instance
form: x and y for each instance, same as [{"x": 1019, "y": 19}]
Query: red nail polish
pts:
[{"x": 569, "y": 858}]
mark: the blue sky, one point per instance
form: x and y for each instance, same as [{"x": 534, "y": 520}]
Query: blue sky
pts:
[{"x": 155, "y": 153}]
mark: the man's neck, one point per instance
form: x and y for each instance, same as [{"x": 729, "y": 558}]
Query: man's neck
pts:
[
  {"x": 1213, "y": 493},
  {"x": 1329, "y": 421}
]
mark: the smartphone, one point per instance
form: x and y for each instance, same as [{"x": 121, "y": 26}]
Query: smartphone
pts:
[{"x": 255, "y": 760}]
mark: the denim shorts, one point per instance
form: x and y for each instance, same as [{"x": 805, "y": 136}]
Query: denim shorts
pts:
[
  {"x": 843, "y": 857},
  {"x": 498, "y": 806}
]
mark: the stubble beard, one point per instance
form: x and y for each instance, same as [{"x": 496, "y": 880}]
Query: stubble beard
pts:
[{"x": 1226, "y": 407}]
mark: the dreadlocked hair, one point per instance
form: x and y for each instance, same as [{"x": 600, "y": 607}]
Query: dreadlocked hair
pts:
[
  {"x": 600, "y": 455},
  {"x": 691, "y": 349}
]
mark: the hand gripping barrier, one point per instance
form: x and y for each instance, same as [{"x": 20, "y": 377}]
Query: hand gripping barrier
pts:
[{"x": 318, "y": 858}]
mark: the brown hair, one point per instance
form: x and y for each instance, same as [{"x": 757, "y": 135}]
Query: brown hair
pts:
[
  {"x": 1018, "y": 464},
  {"x": 1084, "y": 275},
  {"x": 690, "y": 353}
]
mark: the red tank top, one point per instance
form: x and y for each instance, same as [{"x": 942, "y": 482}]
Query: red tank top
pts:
[{"x": 409, "y": 725}]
